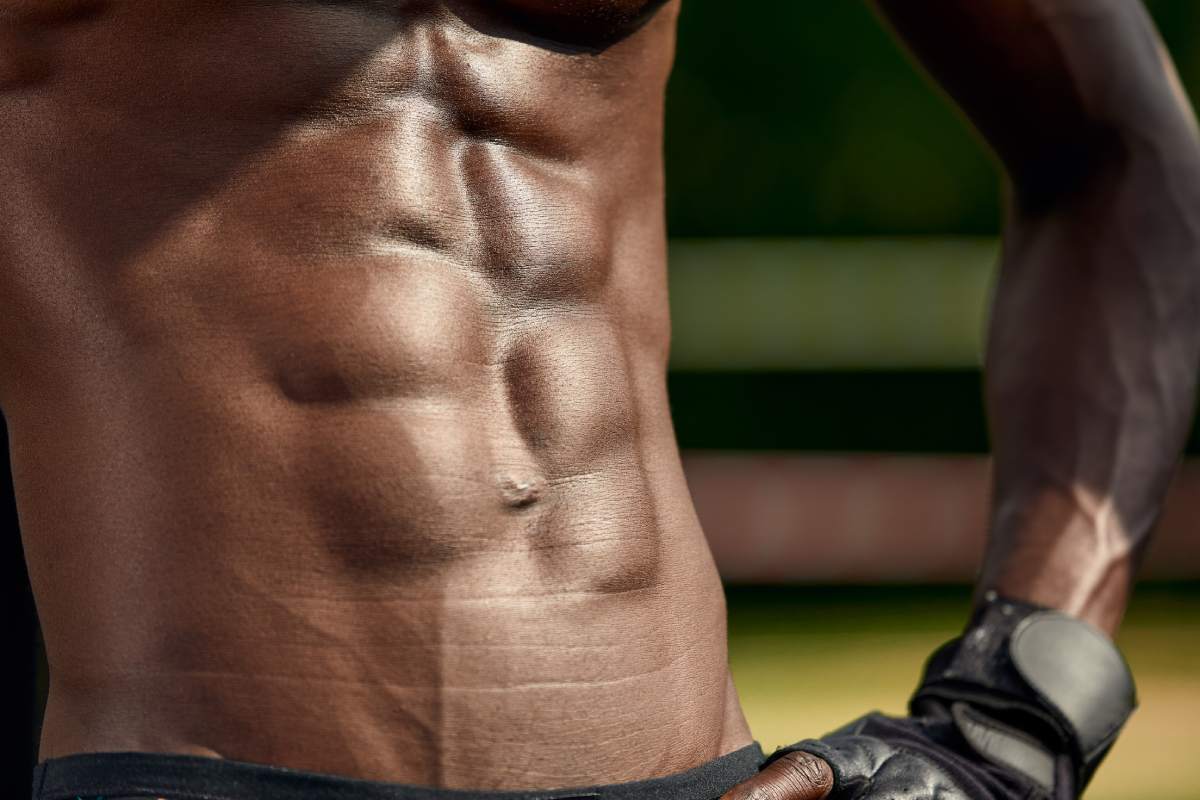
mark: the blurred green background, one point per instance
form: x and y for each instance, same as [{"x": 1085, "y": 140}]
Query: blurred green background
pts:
[
  {"x": 805, "y": 119},
  {"x": 833, "y": 228}
]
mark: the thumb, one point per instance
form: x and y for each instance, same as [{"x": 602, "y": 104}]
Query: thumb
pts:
[{"x": 793, "y": 776}]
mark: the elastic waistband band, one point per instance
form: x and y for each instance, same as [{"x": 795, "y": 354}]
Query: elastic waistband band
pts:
[{"x": 178, "y": 777}]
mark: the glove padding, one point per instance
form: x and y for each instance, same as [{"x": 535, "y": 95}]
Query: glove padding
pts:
[{"x": 878, "y": 757}]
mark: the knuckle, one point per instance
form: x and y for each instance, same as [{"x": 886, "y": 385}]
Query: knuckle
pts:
[{"x": 804, "y": 772}]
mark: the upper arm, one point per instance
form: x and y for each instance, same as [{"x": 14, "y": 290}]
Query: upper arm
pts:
[{"x": 1053, "y": 85}]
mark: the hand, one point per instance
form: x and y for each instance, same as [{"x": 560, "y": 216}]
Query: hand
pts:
[
  {"x": 878, "y": 757},
  {"x": 1023, "y": 706},
  {"x": 793, "y": 776}
]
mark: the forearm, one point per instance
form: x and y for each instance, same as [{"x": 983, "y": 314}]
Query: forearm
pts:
[
  {"x": 1095, "y": 331},
  {"x": 1091, "y": 369}
]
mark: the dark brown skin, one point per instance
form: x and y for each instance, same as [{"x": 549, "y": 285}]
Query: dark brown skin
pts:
[
  {"x": 332, "y": 349},
  {"x": 334, "y": 341},
  {"x": 1094, "y": 341}
]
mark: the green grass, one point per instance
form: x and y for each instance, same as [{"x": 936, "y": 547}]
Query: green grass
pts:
[{"x": 807, "y": 660}]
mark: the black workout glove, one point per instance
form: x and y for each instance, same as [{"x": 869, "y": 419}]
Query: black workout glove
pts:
[{"x": 1023, "y": 706}]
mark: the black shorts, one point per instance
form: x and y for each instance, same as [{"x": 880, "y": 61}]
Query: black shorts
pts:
[{"x": 113, "y": 776}]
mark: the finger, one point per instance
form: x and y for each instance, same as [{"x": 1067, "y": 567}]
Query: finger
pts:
[{"x": 794, "y": 776}]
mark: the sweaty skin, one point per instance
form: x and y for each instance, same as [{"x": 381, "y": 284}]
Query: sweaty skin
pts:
[{"x": 332, "y": 348}]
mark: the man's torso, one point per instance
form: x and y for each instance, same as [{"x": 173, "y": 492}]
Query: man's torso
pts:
[{"x": 332, "y": 344}]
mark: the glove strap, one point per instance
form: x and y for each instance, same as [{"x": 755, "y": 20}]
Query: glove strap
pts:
[{"x": 1032, "y": 689}]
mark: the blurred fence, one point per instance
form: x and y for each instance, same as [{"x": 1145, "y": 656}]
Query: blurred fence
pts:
[
  {"x": 773, "y": 518},
  {"x": 786, "y": 352}
]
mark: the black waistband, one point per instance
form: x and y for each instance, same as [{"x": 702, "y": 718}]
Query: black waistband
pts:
[{"x": 177, "y": 777}]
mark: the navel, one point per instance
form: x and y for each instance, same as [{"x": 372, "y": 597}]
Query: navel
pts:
[{"x": 520, "y": 491}]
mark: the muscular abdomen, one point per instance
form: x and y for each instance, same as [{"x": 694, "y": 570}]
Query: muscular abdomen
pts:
[{"x": 334, "y": 378}]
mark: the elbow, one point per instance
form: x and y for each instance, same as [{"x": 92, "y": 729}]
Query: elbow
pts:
[{"x": 1063, "y": 170}]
